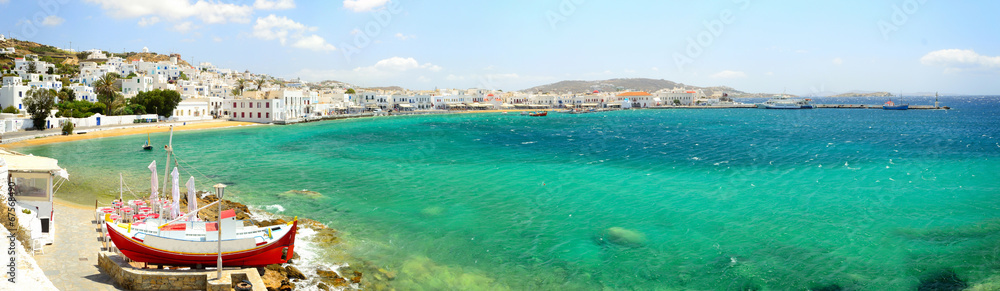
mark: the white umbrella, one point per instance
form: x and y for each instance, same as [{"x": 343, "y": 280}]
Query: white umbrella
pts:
[
  {"x": 192, "y": 201},
  {"x": 153, "y": 182},
  {"x": 175, "y": 194}
]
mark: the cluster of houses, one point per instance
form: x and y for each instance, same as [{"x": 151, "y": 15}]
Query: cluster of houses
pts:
[{"x": 208, "y": 93}]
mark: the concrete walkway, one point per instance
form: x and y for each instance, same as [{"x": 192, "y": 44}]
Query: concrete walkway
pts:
[
  {"x": 12, "y": 137},
  {"x": 71, "y": 262}
]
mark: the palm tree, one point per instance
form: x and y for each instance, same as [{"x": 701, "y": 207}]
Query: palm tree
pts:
[
  {"x": 260, "y": 83},
  {"x": 241, "y": 84},
  {"x": 107, "y": 92}
]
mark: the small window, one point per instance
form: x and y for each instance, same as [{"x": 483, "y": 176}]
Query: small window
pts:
[
  {"x": 267, "y": 105},
  {"x": 243, "y": 114},
  {"x": 258, "y": 114},
  {"x": 267, "y": 115},
  {"x": 251, "y": 104}
]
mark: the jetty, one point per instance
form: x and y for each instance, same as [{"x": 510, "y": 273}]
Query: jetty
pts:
[{"x": 817, "y": 106}]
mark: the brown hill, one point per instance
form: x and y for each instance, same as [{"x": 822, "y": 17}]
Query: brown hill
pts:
[{"x": 615, "y": 85}]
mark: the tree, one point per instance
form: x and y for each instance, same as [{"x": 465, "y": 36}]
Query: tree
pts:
[
  {"x": 184, "y": 77},
  {"x": 10, "y": 109},
  {"x": 351, "y": 91},
  {"x": 236, "y": 92},
  {"x": 241, "y": 84},
  {"x": 162, "y": 101},
  {"x": 51, "y": 71},
  {"x": 67, "y": 127},
  {"x": 677, "y": 102},
  {"x": 39, "y": 104},
  {"x": 107, "y": 93},
  {"x": 79, "y": 109},
  {"x": 32, "y": 68},
  {"x": 68, "y": 94},
  {"x": 260, "y": 83}
]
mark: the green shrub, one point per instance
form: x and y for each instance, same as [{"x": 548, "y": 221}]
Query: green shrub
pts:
[
  {"x": 67, "y": 128},
  {"x": 10, "y": 109}
]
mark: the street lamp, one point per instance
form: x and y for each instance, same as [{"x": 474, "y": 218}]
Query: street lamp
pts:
[{"x": 219, "y": 189}]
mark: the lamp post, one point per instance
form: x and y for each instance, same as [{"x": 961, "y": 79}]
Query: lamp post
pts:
[{"x": 219, "y": 189}]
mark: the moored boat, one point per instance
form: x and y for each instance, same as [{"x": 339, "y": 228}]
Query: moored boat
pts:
[
  {"x": 193, "y": 243},
  {"x": 893, "y": 106},
  {"x": 147, "y": 146},
  {"x": 784, "y": 102},
  {"x": 542, "y": 113}
]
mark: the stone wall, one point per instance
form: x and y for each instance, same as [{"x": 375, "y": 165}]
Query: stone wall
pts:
[{"x": 131, "y": 278}]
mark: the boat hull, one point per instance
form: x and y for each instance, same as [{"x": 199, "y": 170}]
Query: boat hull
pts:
[
  {"x": 896, "y": 107},
  {"x": 788, "y": 107},
  {"x": 276, "y": 252}
]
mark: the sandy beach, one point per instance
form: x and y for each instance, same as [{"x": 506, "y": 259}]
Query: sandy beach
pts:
[{"x": 132, "y": 130}]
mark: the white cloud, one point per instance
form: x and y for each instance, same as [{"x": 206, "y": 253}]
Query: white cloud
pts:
[
  {"x": 207, "y": 11},
  {"x": 655, "y": 69},
  {"x": 147, "y": 21},
  {"x": 397, "y": 64},
  {"x": 355, "y": 31},
  {"x": 217, "y": 39},
  {"x": 956, "y": 60},
  {"x": 283, "y": 29},
  {"x": 274, "y": 5},
  {"x": 280, "y": 28},
  {"x": 4, "y": 1},
  {"x": 364, "y": 5},
  {"x": 53, "y": 20},
  {"x": 314, "y": 42},
  {"x": 401, "y": 36},
  {"x": 727, "y": 74},
  {"x": 184, "y": 27},
  {"x": 837, "y": 61},
  {"x": 769, "y": 73}
]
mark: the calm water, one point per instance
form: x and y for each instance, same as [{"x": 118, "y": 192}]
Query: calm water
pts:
[{"x": 705, "y": 199}]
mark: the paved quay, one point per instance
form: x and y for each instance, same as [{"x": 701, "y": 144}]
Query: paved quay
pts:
[{"x": 71, "y": 262}]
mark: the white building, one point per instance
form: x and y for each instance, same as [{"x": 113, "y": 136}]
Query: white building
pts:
[
  {"x": 13, "y": 92},
  {"x": 192, "y": 109},
  {"x": 137, "y": 84},
  {"x": 683, "y": 96},
  {"x": 256, "y": 110},
  {"x": 84, "y": 92}
]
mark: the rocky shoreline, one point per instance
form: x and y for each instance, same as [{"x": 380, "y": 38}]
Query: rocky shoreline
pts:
[{"x": 307, "y": 269}]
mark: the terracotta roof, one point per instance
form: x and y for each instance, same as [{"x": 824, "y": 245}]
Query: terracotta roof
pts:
[{"x": 626, "y": 94}]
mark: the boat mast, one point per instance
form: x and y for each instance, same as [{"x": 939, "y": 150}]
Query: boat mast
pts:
[
  {"x": 170, "y": 149},
  {"x": 121, "y": 181}
]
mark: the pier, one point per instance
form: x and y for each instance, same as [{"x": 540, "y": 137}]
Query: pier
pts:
[{"x": 817, "y": 106}]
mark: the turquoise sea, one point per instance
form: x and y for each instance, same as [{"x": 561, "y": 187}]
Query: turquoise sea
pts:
[{"x": 728, "y": 199}]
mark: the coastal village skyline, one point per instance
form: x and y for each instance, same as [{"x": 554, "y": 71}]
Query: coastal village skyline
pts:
[{"x": 885, "y": 46}]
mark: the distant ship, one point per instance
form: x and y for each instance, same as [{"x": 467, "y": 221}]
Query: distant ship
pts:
[
  {"x": 893, "y": 106},
  {"x": 784, "y": 102}
]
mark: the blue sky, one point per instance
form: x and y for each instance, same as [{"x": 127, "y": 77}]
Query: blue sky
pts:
[{"x": 756, "y": 46}]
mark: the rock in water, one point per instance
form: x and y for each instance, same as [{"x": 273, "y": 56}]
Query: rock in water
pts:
[
  {"x": 945, "y": 280},
  {"x": 293, "y": 273},
  {"x": 432, "y": 211},
  {"x": 623, "y": 236}
]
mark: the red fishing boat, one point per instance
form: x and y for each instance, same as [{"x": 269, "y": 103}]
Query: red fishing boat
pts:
[
  {"x": 194, "y": 243},
  {"x": 543, "y": 113}
]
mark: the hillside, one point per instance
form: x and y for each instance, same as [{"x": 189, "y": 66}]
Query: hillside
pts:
[
  {"x": 66, "y": 62},
  {"x": 614, "y": 85},
  {"x": 859, "y": 94}
]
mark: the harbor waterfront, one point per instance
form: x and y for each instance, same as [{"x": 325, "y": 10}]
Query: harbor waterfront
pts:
[{"x": 723, "y": 199}]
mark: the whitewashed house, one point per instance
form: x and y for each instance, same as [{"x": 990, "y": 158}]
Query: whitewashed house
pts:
[
  {"x": 192, "y": 109},
  {"x": 84, "y": 92},
  {"x": 256, "y": 110},
  {"x": 13, "y": 92}
]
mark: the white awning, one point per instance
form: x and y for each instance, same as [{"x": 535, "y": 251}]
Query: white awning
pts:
[
  {"x": 18, "y": 162},
  {"x": 405, "y": 106}
]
